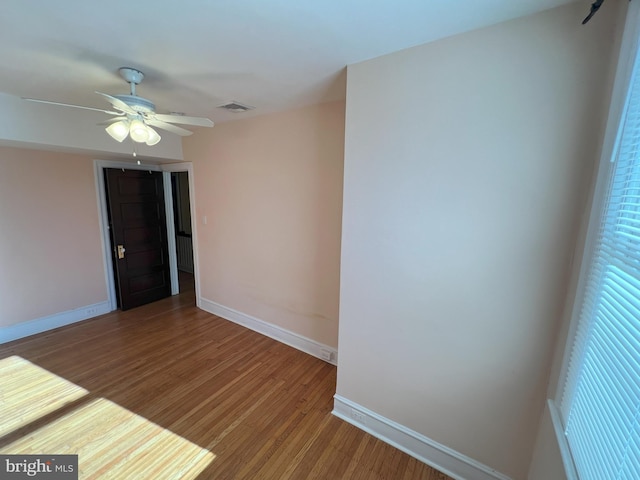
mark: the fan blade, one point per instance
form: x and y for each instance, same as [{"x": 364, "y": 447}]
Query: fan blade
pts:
[
  {"x": 112, "y": 120},
  {"x": 119, "y": 104},
  {"x": 71, "y": 105},
  {"x": 184, "y": 120},
  {"x": 168, "y": 127}
]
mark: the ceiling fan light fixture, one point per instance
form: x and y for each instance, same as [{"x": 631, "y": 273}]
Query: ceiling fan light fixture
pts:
[
  {"x": 153, "y": 137},
  {"x": 139, "y": 131},
  {"x": 119, "y": 130}
]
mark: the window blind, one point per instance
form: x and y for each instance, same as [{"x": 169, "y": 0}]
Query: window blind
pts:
[{"x": 601, "y": 400}]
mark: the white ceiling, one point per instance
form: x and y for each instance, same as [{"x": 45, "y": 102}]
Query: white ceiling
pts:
[{"x": 198, "y": 54}]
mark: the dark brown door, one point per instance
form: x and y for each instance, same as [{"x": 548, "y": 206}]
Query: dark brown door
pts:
[{"x": 138, "y": 230}]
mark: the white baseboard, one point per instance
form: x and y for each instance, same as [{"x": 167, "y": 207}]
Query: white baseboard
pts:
[
  {"x": 428, "y": 451},
  {"x": 319, "y": 350},
  {"x": 39, "y": 325}
]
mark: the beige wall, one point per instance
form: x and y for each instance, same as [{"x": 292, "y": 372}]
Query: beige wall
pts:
[
  {"x": 546, "y": 463},
  {"x": 271, "y": 189},
  {"x": 50, "y": 250},
  {"x": 467, "y": 162}
]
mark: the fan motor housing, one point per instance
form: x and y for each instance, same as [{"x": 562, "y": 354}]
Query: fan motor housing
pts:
[{"x": 139, "y": 104}]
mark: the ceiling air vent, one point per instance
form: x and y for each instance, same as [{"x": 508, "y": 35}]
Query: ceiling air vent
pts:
[{"x": 236, "y": 107}]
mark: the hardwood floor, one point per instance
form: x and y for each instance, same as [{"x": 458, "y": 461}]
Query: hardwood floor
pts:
[{"x": 169, "y": 391}]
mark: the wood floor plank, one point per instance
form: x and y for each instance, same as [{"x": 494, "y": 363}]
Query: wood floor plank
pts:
[{"x": 169, "y": 391}]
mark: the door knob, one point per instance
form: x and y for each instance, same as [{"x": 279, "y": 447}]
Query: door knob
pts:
[{"x": 121, "y": 251}]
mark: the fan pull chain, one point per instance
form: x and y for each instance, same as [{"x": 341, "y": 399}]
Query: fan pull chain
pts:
[{"x": 135, "y": 153}]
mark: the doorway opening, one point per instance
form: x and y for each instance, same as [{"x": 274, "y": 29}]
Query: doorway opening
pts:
[
  {"x": 182, "y": 226},
  {"x": 180, "y": 230}
]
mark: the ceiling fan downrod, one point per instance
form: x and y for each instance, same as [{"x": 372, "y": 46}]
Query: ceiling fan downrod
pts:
[{"x": 132, "y": 76}]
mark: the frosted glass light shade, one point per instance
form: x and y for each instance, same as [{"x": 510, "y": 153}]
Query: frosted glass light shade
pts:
[
  {"x": 119, "y": 130},
  {"x": 138, "y": 131},
  {"x": 153, "y": 136}
]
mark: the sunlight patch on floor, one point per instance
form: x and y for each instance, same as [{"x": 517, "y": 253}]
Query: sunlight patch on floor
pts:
[
  {"x": 111, "y": 442},
  {"x": 28, "y": 392}
]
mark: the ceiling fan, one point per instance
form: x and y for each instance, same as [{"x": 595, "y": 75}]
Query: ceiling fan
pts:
[{"x": 135, "y": 116}]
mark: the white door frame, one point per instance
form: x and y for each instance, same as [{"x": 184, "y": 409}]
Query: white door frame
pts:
[
  {"x": 167, "y": 168},
  {"x": 99, "y": 167}
]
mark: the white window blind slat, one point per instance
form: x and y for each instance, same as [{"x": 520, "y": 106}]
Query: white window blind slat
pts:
[
  {"x": 621, "y": 385},
  {"x": 617, "y": 308},
  {"x": 596, "y": 461},
  {"x": 610, "y": 427},
  {"x": 618, "y": 414}
]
